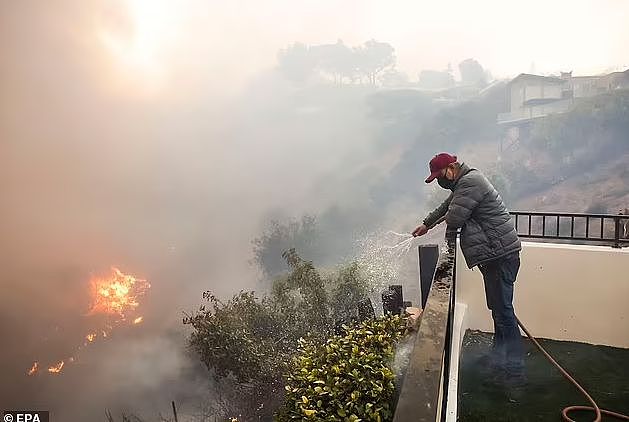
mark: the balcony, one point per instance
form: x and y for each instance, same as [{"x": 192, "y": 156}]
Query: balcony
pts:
[
  {"x": 573, "y": 295},
  {"x": 535, "y": 111}
]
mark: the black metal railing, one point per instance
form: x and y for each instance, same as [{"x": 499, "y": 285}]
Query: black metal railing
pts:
[{"x": 607, "y": 229}]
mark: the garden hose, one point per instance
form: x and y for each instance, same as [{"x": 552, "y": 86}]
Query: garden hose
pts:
[{"x": 594, "y": 408}]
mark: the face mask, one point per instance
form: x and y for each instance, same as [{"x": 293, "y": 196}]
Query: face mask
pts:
[{"x": 445, "y": 183}]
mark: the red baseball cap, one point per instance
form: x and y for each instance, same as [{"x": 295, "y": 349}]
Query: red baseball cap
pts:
[{"x": 438, "y": 163}]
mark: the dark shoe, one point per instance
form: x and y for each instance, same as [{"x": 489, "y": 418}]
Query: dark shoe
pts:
[{"x": 515, "y": 386}]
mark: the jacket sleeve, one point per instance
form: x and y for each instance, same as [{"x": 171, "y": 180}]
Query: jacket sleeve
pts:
[
  {"x": 431, "y": 220},
  {"x": 468, "y": 194}
]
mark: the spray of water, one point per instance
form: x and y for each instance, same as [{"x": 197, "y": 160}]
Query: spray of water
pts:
[
  {"x": 401, "y": 249},
  {"x": 380, "y": 256},
  {"x": 402, "y": 355}
]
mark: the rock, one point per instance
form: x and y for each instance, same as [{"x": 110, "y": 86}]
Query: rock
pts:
[{"x": 413, "y": 316}]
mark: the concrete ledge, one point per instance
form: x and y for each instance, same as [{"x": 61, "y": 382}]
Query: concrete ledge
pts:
[{"x": 422, "y": 389}]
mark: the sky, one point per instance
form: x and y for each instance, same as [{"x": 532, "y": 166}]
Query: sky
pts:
[
  {"x": 151, "y": 43},
  {"x": 146, "y": 46}
]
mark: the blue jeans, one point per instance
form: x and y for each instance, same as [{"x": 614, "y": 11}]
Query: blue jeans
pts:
[{"x": 499, "y": 276}]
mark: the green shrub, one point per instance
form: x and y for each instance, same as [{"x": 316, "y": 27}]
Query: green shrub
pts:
[
  {"x": 349, "y": 377},
  {"x": 247, "y": 343}
]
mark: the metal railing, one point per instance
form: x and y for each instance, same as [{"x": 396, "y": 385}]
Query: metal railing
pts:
[{"x": 605, "y": 229}]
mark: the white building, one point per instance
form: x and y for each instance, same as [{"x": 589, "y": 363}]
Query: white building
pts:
[{"x": 534, "y": 96}]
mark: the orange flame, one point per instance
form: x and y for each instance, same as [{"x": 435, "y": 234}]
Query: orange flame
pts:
[
  {"x": 117, "y": 295},
  {"x": 34, "y": 368},
  {"x": 57, "y": 368}
]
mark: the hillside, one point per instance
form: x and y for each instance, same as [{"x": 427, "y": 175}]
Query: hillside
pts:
[
  {"x": 572, "y": 162},
  {"x": 600, "y": 189}
]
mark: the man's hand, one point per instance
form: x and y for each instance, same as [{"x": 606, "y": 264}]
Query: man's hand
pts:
[{"x": 420, "y": 231}]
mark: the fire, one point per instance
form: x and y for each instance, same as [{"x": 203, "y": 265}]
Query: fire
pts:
[
  {"x": 56, "y": 368},
  {"x": 117, "y": 295},
  {"x": 34, "y": 368},
  {"x": 115, "y": 298}
]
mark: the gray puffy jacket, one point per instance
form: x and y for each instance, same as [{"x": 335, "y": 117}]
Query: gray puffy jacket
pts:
[{"x": 487, "y": 231}]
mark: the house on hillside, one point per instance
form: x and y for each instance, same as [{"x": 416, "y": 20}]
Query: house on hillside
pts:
[
  {"x": 615, "y": 81},
  {"x": 534, "y": 96},
  {"x": 589, "y": 86},
  {"x": 584, "y": 86}
]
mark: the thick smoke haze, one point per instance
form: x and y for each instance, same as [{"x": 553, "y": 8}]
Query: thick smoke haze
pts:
[{"x": 168, "y": 179}]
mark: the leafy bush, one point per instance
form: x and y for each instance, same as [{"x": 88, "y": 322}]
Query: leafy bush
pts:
[
  {"x": 244, "y": 323},
  {"x": 348, "y": 289},
  {"x": 245, "y": 346},
  {"x": 247, "y": 342},
  {"x": 349, "y": 377}
]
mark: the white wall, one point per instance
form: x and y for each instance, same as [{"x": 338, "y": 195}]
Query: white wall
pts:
[
  {"x": 523, "y": 91},
  {"x": 539, "y": 90},
  {"x": 586, "y": 87},
  {"x": 517, "y": 96},
  {"x": 563, "y": 292}
]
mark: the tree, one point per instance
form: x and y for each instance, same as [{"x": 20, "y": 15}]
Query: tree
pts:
[
  {"x": 301, "y": 235},
  {"x": 305, "y": 279},
  {"x": 373, "y": 58},
  {"x": 299, "y": 62},
  {"x": 337, "y": 60},
  {"x": 472, "y": 73}
]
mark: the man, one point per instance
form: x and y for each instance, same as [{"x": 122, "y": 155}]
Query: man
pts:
[{"x": 488, "y": 240}]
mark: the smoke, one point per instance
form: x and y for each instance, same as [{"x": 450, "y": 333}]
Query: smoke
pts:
[
  {"x": 160, "y": 139},
  {"x": 165, "y": 176}
]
